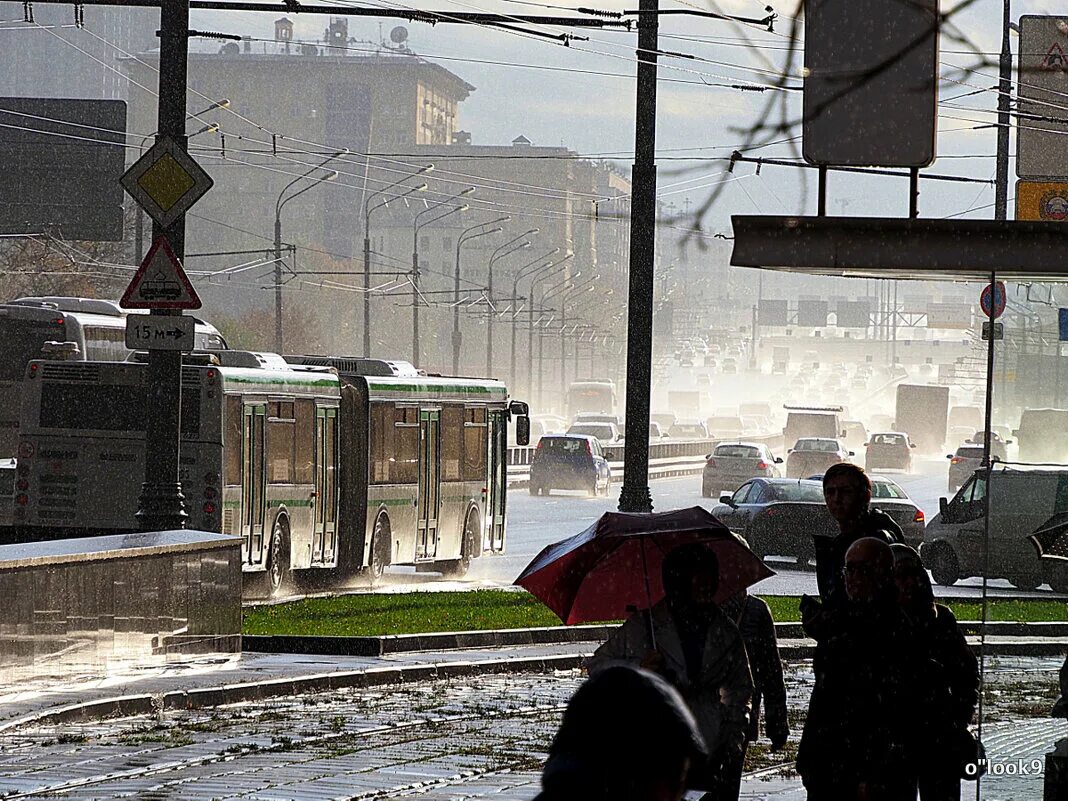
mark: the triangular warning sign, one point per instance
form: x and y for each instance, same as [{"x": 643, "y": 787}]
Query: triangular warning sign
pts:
[
  {"x": 1055, "y": 58},
  {"x": 160, "y": 282}
]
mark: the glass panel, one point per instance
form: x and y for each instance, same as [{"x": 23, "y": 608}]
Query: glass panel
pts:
[
  {"x": 280, "y": 452},
  {"x": 232, "y": 441},
  {"x": 452, "y": 431},
  {"x": 475, "y": 445},
  {"x": 304, "y": 444}
]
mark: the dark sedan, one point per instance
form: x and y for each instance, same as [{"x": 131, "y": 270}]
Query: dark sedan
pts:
[
  {"x": 569, "y": 461},
  {"x": 778, "y": 516}
]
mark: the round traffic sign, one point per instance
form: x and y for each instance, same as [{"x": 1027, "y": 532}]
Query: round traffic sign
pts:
[{"x": 996, "y": 293}]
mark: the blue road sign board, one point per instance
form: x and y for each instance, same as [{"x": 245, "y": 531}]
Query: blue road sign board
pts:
[
  {"x": 995, "y": 292},
  {"x": 1062, "y": 323}
]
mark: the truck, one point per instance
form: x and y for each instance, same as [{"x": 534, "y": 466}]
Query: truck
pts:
[
  {"x": 812, "y": 421},
  {"x": 780, "y": 360},
  {"x": 684, "y": 402},
  {"x": 1021, "y": 503},
  {"x": 922, "y": 412},
  {"x": 1043, "y": 435}
]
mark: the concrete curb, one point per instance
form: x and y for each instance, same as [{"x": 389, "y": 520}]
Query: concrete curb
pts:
[
  {"x": 549, "y": 635},
  {"x": 148, "y": 704}
]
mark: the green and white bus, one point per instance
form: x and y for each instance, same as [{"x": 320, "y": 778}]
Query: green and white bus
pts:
[{"x": 314, "y": 465}]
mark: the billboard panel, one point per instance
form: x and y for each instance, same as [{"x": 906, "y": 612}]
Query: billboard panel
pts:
[
  {"x": 62, "y": 163},
  {"x": 812, "y": 313},
  {"x": 853, "y": 314},
  {"x": 871, "y": 82},
  {"x": 772, "y": 312},
  {"x": 949, "y": 315}
]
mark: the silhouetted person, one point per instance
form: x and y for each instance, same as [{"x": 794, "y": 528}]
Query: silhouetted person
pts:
[
  {"x": 847, "y": 492},
  {"x": 757, "y": 627},
  {"x": 951, "y": 681},
  {"x": 1060, "y": 708},
  {"x": 699, "y": 651},
  {"x": 626, "y": 735},
  {"x": 858, "y": 742}
]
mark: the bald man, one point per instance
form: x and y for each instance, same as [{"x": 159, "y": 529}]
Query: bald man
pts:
[{"x": 859, "y": 738}]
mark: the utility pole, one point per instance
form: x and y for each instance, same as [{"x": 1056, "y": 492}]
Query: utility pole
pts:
[
  {"x": 161, "y": 505},
  {"x": 635, "y": 495}
]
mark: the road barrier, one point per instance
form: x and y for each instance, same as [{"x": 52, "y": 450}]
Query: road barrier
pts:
[{"x": 666, "y": 458}]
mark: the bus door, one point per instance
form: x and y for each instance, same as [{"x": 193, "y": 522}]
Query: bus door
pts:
[
  {"x": 324, "y": 538},
  {"x": 498, "y": 478},
  {"x": 253, "y": 479},
  {"x": 426, "y": 537}
]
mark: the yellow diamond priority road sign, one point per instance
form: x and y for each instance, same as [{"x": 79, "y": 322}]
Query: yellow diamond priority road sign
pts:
[{"x": 166, "y": 181}]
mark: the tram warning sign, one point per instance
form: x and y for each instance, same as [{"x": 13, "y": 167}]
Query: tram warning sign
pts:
[{"x": 160, "y": 282}]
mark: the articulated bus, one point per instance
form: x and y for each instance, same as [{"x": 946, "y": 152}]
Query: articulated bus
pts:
[
  {"x": 316, "y": 466},
  {"x": 64, "y": 329}
]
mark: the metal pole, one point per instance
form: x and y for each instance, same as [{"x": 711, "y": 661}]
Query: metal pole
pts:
[
  {"x": 489, "y": 319},
  {"x": 367, "y": 285},
  {"x": 161, "y": 504},
  {"x": 635, "y": 495},
  {"x": 415, "y": 299},
  {"x": 457, "y": 336},
  {"x": 515, "y": 324},
  {"x": 279, "y": 345},
  {"x": 139, "y": 233}
]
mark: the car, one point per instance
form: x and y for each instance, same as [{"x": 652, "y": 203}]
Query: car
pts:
[
  {"x": 568, "y": 461},
  {"x": 777, "y": 516},
  {"x": 598, "y": 417},
  {"x": 962, "y": 465},
  {"x": 688, "y": 429},
  {"x": 664, "y": 419},
  {"x": 655, "y": 431},
  {"x": 855, "y": 434},
  {"x": 959, "y": 434},
  {"x": 814, "y": 455},
  {"x": 889, "y": 496},
  {"x": 724, "y": 426},
  {"x": 605, "y": 433},
  {"x": 889, "y": 450},
  {"x": 729, "y": 366},
  {"x": 733, "y": 463}
]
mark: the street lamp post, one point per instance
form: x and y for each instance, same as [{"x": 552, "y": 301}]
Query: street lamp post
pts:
[
  {"x": 367, "y": 209},
  {"x": 586, "y": 286},
  {"x": 279, "y": 345},
  {"x": 520, "y": 274},
  {"x": 530, "y": 315},
  {"x": 556, "y": 289},
  {"x": 417, "y": 225},
  {"x": 465, "y": 236},
  {"x": 507, "y": 249}
]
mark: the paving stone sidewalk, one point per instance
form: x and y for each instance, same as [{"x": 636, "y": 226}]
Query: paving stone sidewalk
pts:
[{"x": 468, "y": 737}]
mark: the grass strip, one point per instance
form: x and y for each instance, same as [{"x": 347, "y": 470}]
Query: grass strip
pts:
[{"x": 422, "y": 612}]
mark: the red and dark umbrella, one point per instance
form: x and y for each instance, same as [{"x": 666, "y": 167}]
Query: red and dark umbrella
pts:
[
  {"x": 615, "y": 564},
  {"x": 1051, "y": 538}
]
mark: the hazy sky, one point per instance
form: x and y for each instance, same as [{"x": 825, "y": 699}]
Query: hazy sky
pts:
[{"x": 582, "y": 97}]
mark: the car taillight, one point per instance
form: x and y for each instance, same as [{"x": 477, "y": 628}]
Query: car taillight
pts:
[
  {"x": 956, "y": 460},
  {"x": 918, "y": 517},
  {"x": 209, "y": 507},
  {"x": 762, "y": 465},
  {"x": 589, "y": 450},
  {"x": 711, "y": 462}
]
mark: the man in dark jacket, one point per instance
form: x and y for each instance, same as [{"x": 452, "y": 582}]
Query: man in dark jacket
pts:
[
  {"x": 859, "y": 738},
  {"x": 847, "y": 491},
  {"x": 753, "y": 619}
]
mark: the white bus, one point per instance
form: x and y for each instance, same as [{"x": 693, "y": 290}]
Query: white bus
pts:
[
  {"x": 590, "y": 396},
  {"x": 315, "y": 467},
  {"x": 62, "y": 328}
]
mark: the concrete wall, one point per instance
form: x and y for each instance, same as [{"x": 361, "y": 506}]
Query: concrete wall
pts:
[{"x": 79, "y": 607}]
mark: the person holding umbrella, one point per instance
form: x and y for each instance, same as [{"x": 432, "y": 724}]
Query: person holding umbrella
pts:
[{"x": 688, "y": 640}]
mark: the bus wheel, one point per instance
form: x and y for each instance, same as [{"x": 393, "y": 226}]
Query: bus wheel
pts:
[
  {"x": 945, "y": 569},
  {"x": 380, "y": 547},
  {"x": 278, "y": 557},
  {"x": 457, "y": 568}
]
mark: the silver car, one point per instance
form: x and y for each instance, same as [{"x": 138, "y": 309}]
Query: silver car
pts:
[{"x": 731, "y": 464}]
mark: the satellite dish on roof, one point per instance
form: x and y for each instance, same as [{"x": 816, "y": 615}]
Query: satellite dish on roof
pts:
[{"x": 398, "y": 35}]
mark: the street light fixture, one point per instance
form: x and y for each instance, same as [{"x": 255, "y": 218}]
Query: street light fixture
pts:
[
  {"x": 367, "y": 209},
  {"x": 279, "y": 343},
  {"x": 507, "y": 249},
  {"x": 418, "y": 224},
  {"x": 465, "y": 236}
]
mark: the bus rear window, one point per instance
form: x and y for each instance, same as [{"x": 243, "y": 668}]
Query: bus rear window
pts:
[
  {"x": 23, "y": 341},
  {"x": 95, "y": 407}
]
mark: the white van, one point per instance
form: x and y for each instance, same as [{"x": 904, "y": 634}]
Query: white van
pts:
[{"x": 1021, "y": 501}]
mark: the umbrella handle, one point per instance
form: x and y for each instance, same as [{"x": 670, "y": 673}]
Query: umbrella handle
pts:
[{"x": 648, "y": 596}]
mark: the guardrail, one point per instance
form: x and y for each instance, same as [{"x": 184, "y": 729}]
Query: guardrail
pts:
[{"x": 666, "y": 459}]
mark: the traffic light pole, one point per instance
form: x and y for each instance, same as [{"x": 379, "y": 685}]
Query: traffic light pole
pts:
[
  {"x": 635, "y": 495},
  {"x": 161, "y": 505}
]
